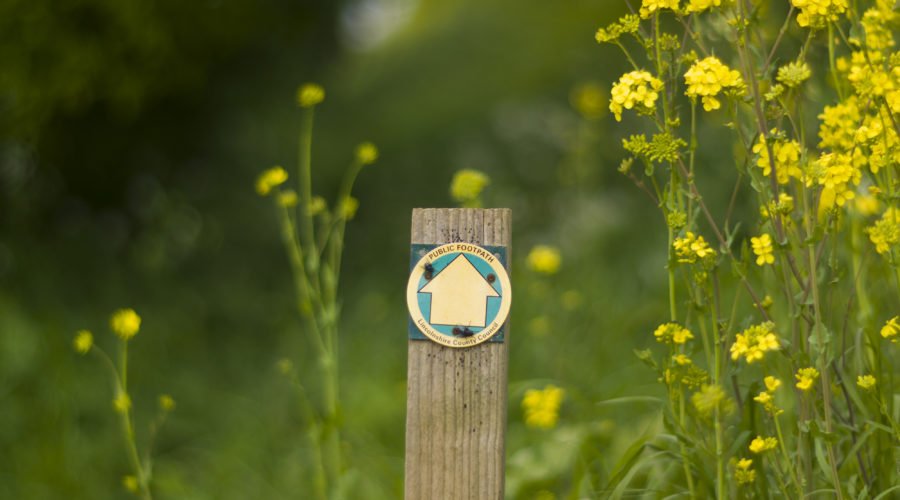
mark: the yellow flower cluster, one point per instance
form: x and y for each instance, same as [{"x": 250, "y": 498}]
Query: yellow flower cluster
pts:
[
  {"x": 701, "y": 5},
  {"x": 835, "y": 172},
  {"x": 793, "y": 73},
  {"x": 783, "y": 206},
  {"x": 762, "y": 247},
  {"x": 787, "y": 158},
  {"x": 891, "y": 328},
  {"x": 709, "y": 398},
  {"x": 886, "y": 231},
  {"x": 876, "y": 22},
  {"x": 541, "y": 406},
  {"x": 691, "y": 248},
  {"x": 761, "y": 444},
  {"x": 806, "y": 377},
  {"x": 672, "y": 333},
  {"x": 467, "y": 185},
  {"x": 707, "y": 77},
  {"x": 742, "y": 471},
  {"x": 310, "y": 94},
  {"x": 83, "y": 342},
  {"x": 638, "y": 90},
  {"x": 125, "y": 323},
  {"x": 544, "y": 259},
  {"x": 766, "y": 398},
  {"x": 589, "y": 100},
  {"x": 754, "y": 342},
  {"x": 837, "y": 129},
  {"x": 270, "y": 179},
  {"x": 865, "y": 381},
  {"x": 817, "y": 13},
  {"x": 649, "y": 7}
]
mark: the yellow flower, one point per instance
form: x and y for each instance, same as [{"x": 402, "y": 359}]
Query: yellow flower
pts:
[
  {"x": 122, "y": 403},
  {"x": 806, "y": 377},
  {"x": 816, "y": 13},
  {"x": 691, "y": 248},
  {"x": 891, "y": 328},
  {"x": 835, "y": 172},
  {"x": 754, "y": 342},
  {"x": 787, "y": 158},
  {"x": 166, "y": 402},
  {"x": 317, "y": 205},
  {"x": 366, "y": 153},
  {"x": 772, "y": 383},
  {"x": 467, "y": 185},
  {"x": 760, "y": 444},
  {"x": 867, "y": 205},
  {"x": 885, "y": 233},
  {"x": 544, "y": 259},
  {"x": 839, "y": 124},
  {"x": 681, "y": 359},
  {"x": 589, "y": 99},
  {"x": 310, "y": 94},
  {"x": 638, "y": 90},
  {"x": 707, "y": 77},
  {"x": 83, "y": 342},
  {"x": 288, "y": 198},
  {"x": 648, "y": 7},
  {"x": 349, "y": 206},
  {"x": 865, "y": 381},
  {"x": 710, "y": 397},
  {"x": 130, "y": 483},
  {"x": 542, "y": 406},
  {"x": 125, "y": 323},
  {"x": 672, "y": 333},
  {"x": 701, "y": 5},
  {"x": 743, "y": 473},
  {"x": 762, "y": 247},
  {"x": 269, "y": 179},
  {"x": 763, "y": 398},
  {"x": 793, "y": 73}
]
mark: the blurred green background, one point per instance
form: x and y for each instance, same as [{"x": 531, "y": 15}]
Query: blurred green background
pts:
[{"x": 131, "y": 134}]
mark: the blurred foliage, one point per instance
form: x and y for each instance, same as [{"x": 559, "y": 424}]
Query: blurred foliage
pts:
[{"x": 130, "y": 137}]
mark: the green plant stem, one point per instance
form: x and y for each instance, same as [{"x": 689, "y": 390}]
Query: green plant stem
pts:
[
  {"x": 823, "y": 369},
  {"x": 787, "y": 458},
  {"x": 684, "y": 452},
  {"x": 305, "y": 186}
]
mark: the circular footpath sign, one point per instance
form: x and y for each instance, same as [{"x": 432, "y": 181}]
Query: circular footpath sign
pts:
[{"x": 459, "y": 294}]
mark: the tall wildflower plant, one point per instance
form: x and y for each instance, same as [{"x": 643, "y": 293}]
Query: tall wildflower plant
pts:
[
  {"x": 778, "y": 351},
  {"x": 313, "y": 236},
  {"x": 125, "y": 324}
]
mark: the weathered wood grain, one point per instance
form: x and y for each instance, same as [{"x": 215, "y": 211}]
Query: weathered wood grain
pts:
[{"x": 456, "y": 398}]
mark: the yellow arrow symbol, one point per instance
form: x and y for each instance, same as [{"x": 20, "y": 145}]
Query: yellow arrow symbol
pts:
[{"x": 459, "y": 295}]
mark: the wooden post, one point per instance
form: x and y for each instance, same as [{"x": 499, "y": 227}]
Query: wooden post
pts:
[{"x": 456, "y": 397}]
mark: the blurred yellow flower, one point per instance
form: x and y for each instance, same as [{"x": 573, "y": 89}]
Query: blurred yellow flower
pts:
[
  {"x": 349, "y": 206},
  {"x": 742, "y": 471},
  {"x": 709, "y": 398},
  {"x": 891, "y": 328},
  {"x": 130, "y": 483},
  {"x": 83, "y": 342},
  {"x": 122, "y": 403},
  {"x": 288, "y": 198},
  {"x": 760, "y": 444},
  {"x": 701, "y": 5},
  {"x": 544, "y": 259},
  {"x": 317, "y": 205},
  {"x": 589, "y": 99},
  {"x": 806, "y": 377},
  {"x": 166, "y": 402},
  {"x": 467, "y": 185},
  {"x": 541, "y": 406},
  {"x": 366, "y": 153},
  {"x": 681, "y": 359},
  {"x": 793, "y": 73},
  {"x": 772, "y": 383},
  {"x": 269, "y": 179},
  {"x": 865, "y": 381},
  {"x": 310, "y": 94},
  {"x": 125, "y": 323},
  {"x": 816, "y": 13}
]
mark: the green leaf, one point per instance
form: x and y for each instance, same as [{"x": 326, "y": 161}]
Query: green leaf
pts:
[{"x": 627, "y": 462}]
